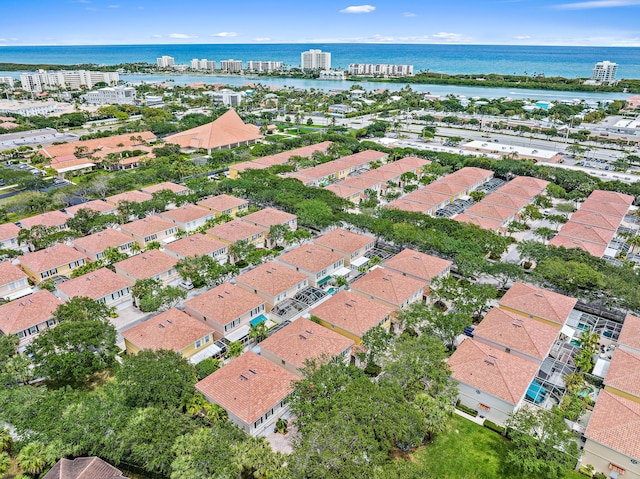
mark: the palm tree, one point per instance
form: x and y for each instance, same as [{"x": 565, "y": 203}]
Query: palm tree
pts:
[
  {"x": 6, "y": 441},
  {"x": 32, "y": 458},
  {"x": 258, "y": 332},
  {"x": 5, "y": 462},
  {"x": 235, "y": 349}
]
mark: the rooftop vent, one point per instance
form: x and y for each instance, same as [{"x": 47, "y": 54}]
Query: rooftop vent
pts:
[{"x": 243, "y": 377}]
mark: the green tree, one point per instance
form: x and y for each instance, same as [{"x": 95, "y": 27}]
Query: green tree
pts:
[
  {"x": 255, "y": 458},
  {"x": 530, "y": 213},
  {"x": 376, "y": 341},
  {"x": 277, "y": 234},
  {"x": 235, "y": 349},
  {"x": 208, "y": 366},
  {"x": 570, "y": 276},
  {"x": 239, "y": 250},
  {"x": 436, "y": 412},
  {"x": 151, "y": 295},
  {"x": 504, "y": 273},
  {"x": 31, "y": 458},
  {"x": 5, "y": 462},
  {"x": 446, "y": 327}
]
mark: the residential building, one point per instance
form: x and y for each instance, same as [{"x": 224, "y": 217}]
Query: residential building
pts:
[
  {"x": 269, "y": 217},
  {"x": 491, "y": 381},
  {"x": 203, "y": 65},
  {"x": 9, "y": 236},
  {"x": 173, "y": 330},
  {"x": 73, "y": 80},
  {"x": 13, "y": 282},
  {"x": 30, "y": 108},
  {"x": 352, "y": 315},
  {"x": 604, "y": 72},
  {"x": 318, "y": 263},
  {"x": 198, "y": 245},
  {"x": 315, "y": 60},
  {"x": 83, "y": 468},
  {"x": 150, "y": 229},
  {"x": 150, "y": 264},
  {"x": 252, "y": 390},
  {"x": 390, "y": 288},
  {"x": 166, "y": 61},
  {"x": 273, "y": 282},
  {"x": 103, "y": 286},
  {"x": 52, "y": 262},
  {"x": 134, "y": 196},
  {"x": 100, "y": 147},
  {"x": 302, "y": 341},
  {"x": 225, "y": 205},
  {"x": 227, "y": 97},
  {"x": 94, "y": 245},
  {"x": 52, "y": 219},
  {"x": 629, "y": 338},
  {"x": 175, "y": 188},
  {"x": 188, "y": 217},
  {"x": 98, "y": 206},
  {"x": 538, "y": 303},
  {"x": 28, "y": 316},
  {"x": 7, "y": 81},
  {"x": 332, "y": 75},
  {"x": 371, "y": 69},
  {"x": 263, "y": 66},
  {"x": 231, "y": 66},
  {"x": 418, "y": 265},
  {"x": 238, "y": 230},
  {"x": 227, "y": 131},
  {"x": 118, "y": 95},
  {"x": 229, "y": 310},
  {"x": 352, "y": 246},
  {"x": 355, "y": 195}
]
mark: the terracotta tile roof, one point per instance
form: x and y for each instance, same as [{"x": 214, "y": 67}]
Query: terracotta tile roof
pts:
[
  {"x": 249, "y": 165},
  {"x": 224, "y": 303},
  {"x": 586, "y": 233},
  {"x": 364, "y": 157},
  {"x": 495, "y": 372},
  {"x": 134, "y": 196},
  {"x": 104, "y": 145},
  {"x": 98, "y": 206},
  {"x": 284, "y": 156},
  {"x": 271, "y": 278},
  {"x": 461, "y": 180},
  {"x": 304, "y": 340},
  {"x": 517, "y": 332},
  {"x": 226, "y": 130},
  {"x": 10, "y": 273},
  {"x": 50, "y": 258},
  {"x": 98, "y": 242},
  {"x": 477, "y": 173},
  {"x": 298, "y": 175},
  {"x": 8, "y": 231},
  {"x": 495, "y": 212},
  {"x": 51, "y": 218},
  {"x": 248, "y": 386},
  {"x": 418, "y": 264},
  {"x": 531, "y": 300},
  {"x": 94, "y": 285},
  {"x": 235, "y": 230},
  {"x": 222, "y": 202},
  {"x": 147, "y": 264},
  {"x": 448, "y": 189},
  {"x": 187, "y": 213},
  {"x": 615, "y": 423},
  {"x": 343, "y": 191},
  {"x": 382, "y": 175},
  {"x": 530, "y": 182},
  {"x": 624, "y": 372},
  {"x": 362, "y": 182},
  {"x": 172, "y": 329},
  {"x": 595, "y": 249},
  {"x": 428, "y": 197},
  {"x": 27, "y": 311},
  {"x": 507, "y": 201},
  {"x": 268, "y": 217},
  {"x": 630, "y": 334},
  {"x": 484, "y": 223},
  {"x": 195, "y": 245},
  {"x": 613, "y": 209},
  {"x": 343, "y": 240},
  {"x": 147, "y": 226},
  {"x": 611, "y": 197},
  {"x": 404, "y": 204},
  {"x": 83, "y": 468},
  {"x": 387, "y": 285},
  {"x": 309, "y": 257},
  {"x": 412, "y": 161},
  {"x": 596, "y": 219},
  {"x": 522, "y": 190},
  {"x": 72, "y": 164},
  {"x": 167, "y": 185}
]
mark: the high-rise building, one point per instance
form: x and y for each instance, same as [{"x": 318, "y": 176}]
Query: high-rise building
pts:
[
  {"x": 231, "y": 66},
  {"x": 74, "y": 80},
  {"x": 380, "y": 69},
  {"x": 315, "y": 60},
  {"x": 263, "y": 66},
  {"x": 203, "y": 65},
  {"x": 166, "y": 62},
  {"x": 604, "y": 72}
]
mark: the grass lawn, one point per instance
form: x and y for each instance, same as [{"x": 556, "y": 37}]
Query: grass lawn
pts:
[{"x": 468, "y": 451}]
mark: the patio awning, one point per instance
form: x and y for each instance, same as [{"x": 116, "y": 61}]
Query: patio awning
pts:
[
  {"x": 342, "y": 272},
  {"x": 324, "y": 280},
  {"x": 260, "y": 319},
  {"x": 19, "y": 294},
  {"x": 568, "y": 331},
  {"x": 238, "y": 334},
  {"x": 207, "y": 352},
  {"x": 360, "y": 261}
]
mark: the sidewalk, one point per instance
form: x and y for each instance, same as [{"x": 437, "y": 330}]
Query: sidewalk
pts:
[{"x": 477, "y": 420}]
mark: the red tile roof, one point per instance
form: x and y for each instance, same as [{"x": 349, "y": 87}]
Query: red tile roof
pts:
[
  {"x": 491, "y": 370},
  {"x": 630, "y": 334},
  {"x": 147, "y": 226},
  {"x": 222, "y": 202},
  {"x": 51, "y": 218},
  {"x": 224, "y": 303},
  {"x": 522, "y": 190},
  {"x": 166, "y": 185},
  {"x": 529, "y": 182},
  {"x": 611, "y": 197},
  {"x": 428, "y": 197},
  {"x": 362, "y": 182},
  {"x": 94, "y": 285},
  {"x": 271, "y": 278},
  {"x": 517, "y": 332},
  {"x": 351, "y": 312},
  {"x": 83, "y": 468},
  {"x": 418, "y": 264},
  {"x": 10, "y": 273},
  {"x": 247, "y": 387},
  {"x": 343, "y": 240},
  {"x": 507, "y": 201},
  {"x": 404, "y": 204},
  {"x": 226, "y": 130},
  {"x": 187, "y": 213},
  {"x": 615, "y": 423},
  {"x": 484, "y": 223},
  {"x": 304, "y": 340},
  {"x": 27, "y": 311},
  {"x": 624, "y": 372},
  {"x": 101, "y": 145},
  {"x": 195, "y": 245},
  {"x": 49, "y": 258},
  {"x": 310, "y": 258},
  {"x": 593, "y": 249},
  {"x": 98, "y": 206},
  {"x": 268, "y": 217},
  {"x": 586, "y": 233},
  {"x": 147, "y": 265},
  {"x": 236, "y": 230},
  {"x": 134, "y": 196},
  {"x": 8, "y": 231},
  {"x": 545, "y": 304},
  {"x": 364, "y": 157},
  {"x": 412, "y": 161},
  {"x": 98, "y": 242},
  {"x": 596, "y": 219},
  {"x": 387, "y": 285},
  {"x": 448, "y": 189},
  {"x": 172, "y": 329},
  {"x": 484, "y": 210},
  {"x": 478, "y": 173},
  {"x": 343, "y": 191},
  {"x": 613, "y": 209}
]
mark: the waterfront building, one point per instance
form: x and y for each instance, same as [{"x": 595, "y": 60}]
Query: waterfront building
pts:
[
  {"x": 165, "y": 62},
  {"x": 231, "y": 66},
  {"x": 604, "y": 72},
  {"x": 380, "y": 69},
  {"x": 73, "y": 80},
  {"x": 119, "y": 95},
  {"x": 227, "y": 97},
  {"x": 332, "y": 75},
  {"x": 315, "y": 60},
  {"x": 263, "y": 66},
  {"x": 7, "y": 81},
  {"x": 203, "y": 65}
]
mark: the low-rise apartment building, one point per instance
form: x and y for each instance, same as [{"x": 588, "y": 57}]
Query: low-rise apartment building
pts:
[
  {"x": 175, "y": 188},
  {"x": 133, "y": 196},
  {"x": 269, "y": 217},
  {"x": 149, "y": 229},
  {"x": 102, "y": 285},
  {"x": 318, "y": 263},
  {"x": 94, "y": 245},
  {"x": 273, "y": 282},
  {"x": 198, "y": 244},
  {"x": 188, "y": 217},
  {"x": 52, "y": 219},
  {"x": 238, "y": 230},
  {"x": 9, "y": 236},
  {"x": 418, "y": 265},
  {"x": 13, "y": 282},
  {"x": 390, "y": 288},
  {"x": 225, "y": 205},
  {"x": 351, "y": 246},
  {"x": 98, "y": 206},
  {"x": 150, "y": 264},
  {"x": 538, "y": 303},
  {"x": 58, "y": 260}
]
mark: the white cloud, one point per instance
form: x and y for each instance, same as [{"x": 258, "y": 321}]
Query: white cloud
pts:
[
  {"x": 447, "y": 37},
  {"x": 181, "y": 36},
  {"x": 409, "y": 14},
  {"x": 358, "y": 9},
  {"x": 596, "y": 4},
  {"x": 523, "y": 37},
  {"x": 224, "y": 34},
  {"x": 262, "y": 39},
  {"x": 113, "y": 6},
  {"x": 441, "y": 37}
]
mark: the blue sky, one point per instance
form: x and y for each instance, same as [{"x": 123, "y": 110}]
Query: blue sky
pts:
[{"x": 525, "y": 22}]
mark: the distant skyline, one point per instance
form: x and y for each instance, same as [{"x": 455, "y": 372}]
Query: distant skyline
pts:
[{"x": 499, "y": 22}]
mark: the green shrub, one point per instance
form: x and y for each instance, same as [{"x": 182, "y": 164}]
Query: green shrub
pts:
[
  {"x": 493, "y": 426},
  {"x": 468, "y": 410}
]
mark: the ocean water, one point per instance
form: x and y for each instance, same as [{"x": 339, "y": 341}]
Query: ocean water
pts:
[{"x": 569, "y": 62}]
